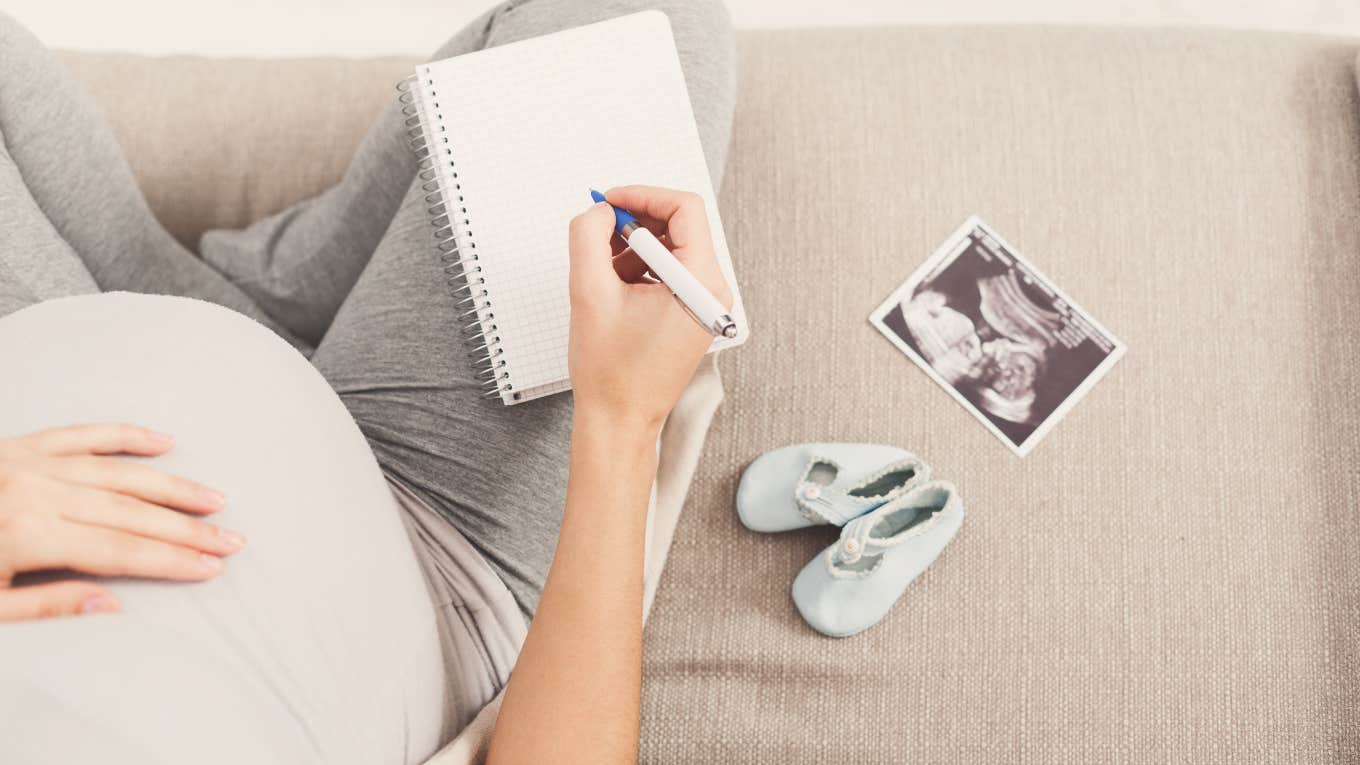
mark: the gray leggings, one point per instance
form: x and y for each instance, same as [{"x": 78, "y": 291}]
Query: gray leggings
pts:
[
  {"x": 347, "y": 277},
  {"x": 320, "y": 649}
]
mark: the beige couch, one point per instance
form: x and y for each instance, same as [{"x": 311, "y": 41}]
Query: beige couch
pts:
[{"x": 1171, "y": 576}]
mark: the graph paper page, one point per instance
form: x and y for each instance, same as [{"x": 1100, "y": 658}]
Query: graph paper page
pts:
[{"x": 531, "y": 128}]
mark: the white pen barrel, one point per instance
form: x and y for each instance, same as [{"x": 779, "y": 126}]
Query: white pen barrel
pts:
[{"x": 686, "y": 286}]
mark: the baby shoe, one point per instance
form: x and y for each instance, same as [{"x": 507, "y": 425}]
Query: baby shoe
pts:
[
  {"x": 812, "y": 484},
  {"x": 854, "y": 582}
]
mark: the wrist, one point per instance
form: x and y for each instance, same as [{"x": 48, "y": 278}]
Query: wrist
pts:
[
  {"x": 620, "y": 425},
  {"x": 608, "y": 450}
]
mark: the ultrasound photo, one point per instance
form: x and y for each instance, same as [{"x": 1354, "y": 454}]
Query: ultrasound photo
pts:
[{"x": 1005, "y": 342}]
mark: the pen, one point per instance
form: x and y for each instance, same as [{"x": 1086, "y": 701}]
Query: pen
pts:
[{"x": 706, "y": 309}]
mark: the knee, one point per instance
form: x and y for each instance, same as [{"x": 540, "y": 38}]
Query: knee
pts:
[
  {"x": 13, "y": 34},
  {"x": 699, "y": 25},
  {"x": 702, "y": 28},
  {"x": 708, "y": 16},
  {"x": 707, "y": 48}
]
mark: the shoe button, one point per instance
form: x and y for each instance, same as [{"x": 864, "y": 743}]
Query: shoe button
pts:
[
  {"x": 812, "y": 492},
  {"x": 851, "y": 546}
]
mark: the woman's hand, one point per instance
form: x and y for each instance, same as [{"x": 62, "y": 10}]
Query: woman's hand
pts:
[
  {"x": 633, "y": 348},
  {"x": 66, "y": 504}
]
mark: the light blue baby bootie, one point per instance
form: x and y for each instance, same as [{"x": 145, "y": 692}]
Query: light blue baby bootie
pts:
[
  {"x": 811, "y": 484},
  {"x": 852, "y": 584}
]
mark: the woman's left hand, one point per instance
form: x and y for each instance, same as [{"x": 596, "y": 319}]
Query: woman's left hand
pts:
[{"x": 67, "y": 503}]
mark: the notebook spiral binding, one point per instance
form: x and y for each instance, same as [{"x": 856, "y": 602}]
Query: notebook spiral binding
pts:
[{"x": 453, "y": 240}]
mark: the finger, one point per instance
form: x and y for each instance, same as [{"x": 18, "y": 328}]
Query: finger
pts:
[
  {"x": 657, "y": 227},
  {"x": 683, "y": 212},
  {"x": 630, "y": 266},
  {"x": 136, "y": 480},
  {"x": 119, "y": 512},
  {"x": 104, "y": 438},
  {"x": 698, "y": 256},
  {"x": 106, "y": 552},
  {"x": 589, "y": 247},
  {"x": 44, "y": 601}
]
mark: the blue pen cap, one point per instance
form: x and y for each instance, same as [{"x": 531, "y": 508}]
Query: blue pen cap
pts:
[{"x": 621, "y": 216}]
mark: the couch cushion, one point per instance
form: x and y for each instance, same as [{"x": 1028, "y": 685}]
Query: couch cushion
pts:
[{"x": 1172, "y": 575}]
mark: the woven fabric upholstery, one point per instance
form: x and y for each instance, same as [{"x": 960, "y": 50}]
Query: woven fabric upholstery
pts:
[{"x": 1171, "y": 576}]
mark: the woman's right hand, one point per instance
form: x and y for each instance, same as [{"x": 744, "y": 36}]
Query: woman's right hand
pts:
[
  {"x": 632, "y": 348},
  {"x": 66, "y": 503}
]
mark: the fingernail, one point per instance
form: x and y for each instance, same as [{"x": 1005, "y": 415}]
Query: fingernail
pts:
[
  {"x": 232, "y": 538},
  {"x": 161, "y": 439},
  {"x": 213, "y": 497},
  {"x": 211, "y": 563},
  {"x": 99, "y": 604}
]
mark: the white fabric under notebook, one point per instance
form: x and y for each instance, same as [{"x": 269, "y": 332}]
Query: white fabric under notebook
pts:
[{"x": 516, "y": 137}]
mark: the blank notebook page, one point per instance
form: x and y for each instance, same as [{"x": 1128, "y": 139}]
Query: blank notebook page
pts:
[{"x": 532, "y": 127}]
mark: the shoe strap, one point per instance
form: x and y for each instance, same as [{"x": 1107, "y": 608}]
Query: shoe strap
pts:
[
  {"x": 833, "y": 504},
  {"x": 854, "y": 542},
  {"x": 823, "y": 504}
]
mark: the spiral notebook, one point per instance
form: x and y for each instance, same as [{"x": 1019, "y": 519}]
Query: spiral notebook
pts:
[{"x": 510, "y": 141}]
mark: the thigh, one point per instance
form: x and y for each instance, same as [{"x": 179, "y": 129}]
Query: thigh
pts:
[
  {"x": 394, "y": 355},
  {"x": 394, "y": 352},
  {"x": 318, "y": 643}
]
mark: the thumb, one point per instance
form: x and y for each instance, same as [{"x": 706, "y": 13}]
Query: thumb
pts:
[
  {"x": 43, "y": 601},
  {"x": 592, "y": 259}
]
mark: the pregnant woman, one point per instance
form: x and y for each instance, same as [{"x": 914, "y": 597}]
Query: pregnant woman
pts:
[{"x": 279, "y": 522}]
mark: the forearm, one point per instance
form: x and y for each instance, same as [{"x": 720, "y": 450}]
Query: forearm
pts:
[{"x": 575, "y": 693}]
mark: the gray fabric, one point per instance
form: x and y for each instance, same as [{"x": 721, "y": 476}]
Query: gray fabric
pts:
[
  {"x": 1171, "y": 576},
  {"x": 46, "y": 267},
  {"x": 356, "y": 264}
]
